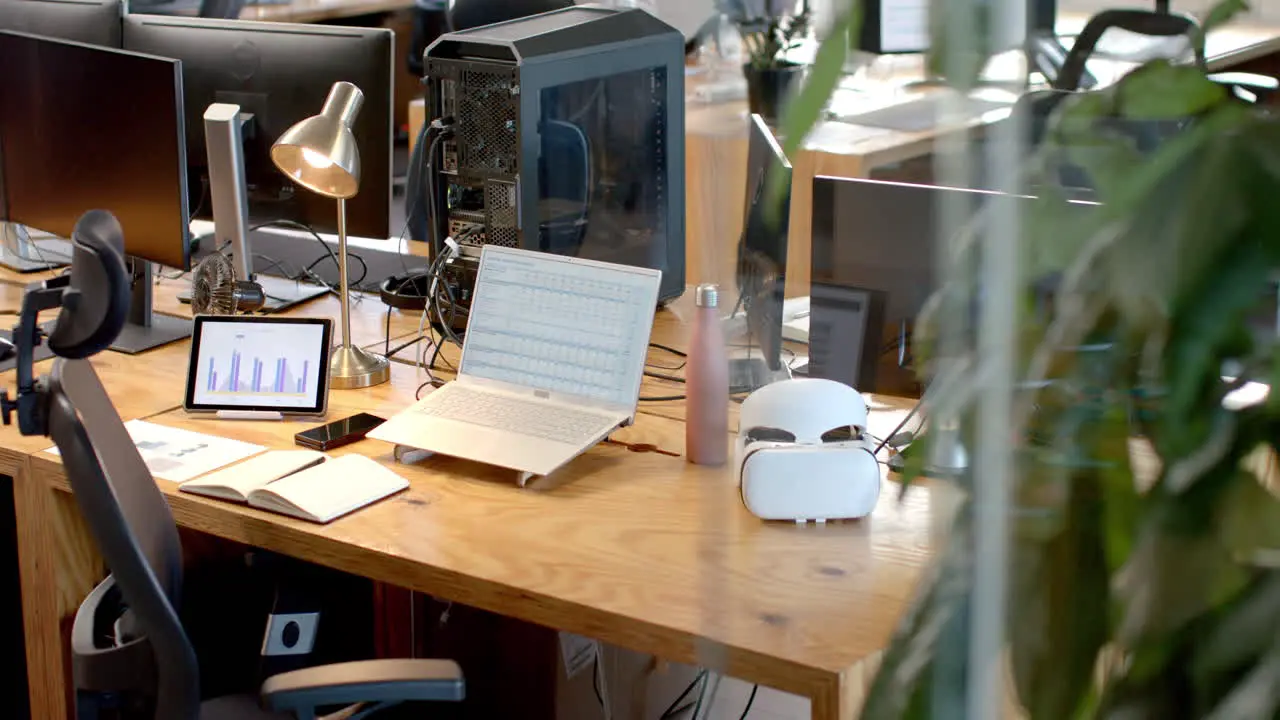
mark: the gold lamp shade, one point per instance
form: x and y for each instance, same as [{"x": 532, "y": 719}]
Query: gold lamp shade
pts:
[{"x": 320, "y": 153}]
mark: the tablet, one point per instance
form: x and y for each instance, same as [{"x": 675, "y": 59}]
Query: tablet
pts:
[{"x": 259, "y": 364}]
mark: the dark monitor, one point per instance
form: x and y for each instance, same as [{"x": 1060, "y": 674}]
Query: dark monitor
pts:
[
  {"x": 872, "y": 271},
  {"x": 762, "y": 253},
  {"x": 902, "y": 26},
  {"x": 873, "y": 267},
  {"x": 84, "y": 128},
  {"x": 94, "y": 22},
  {"x": 280, "y": 73}
]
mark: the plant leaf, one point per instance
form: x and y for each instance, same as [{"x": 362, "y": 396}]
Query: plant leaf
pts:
[
  {"x": 806, "y": 108},
  {"x": 1178, "y": 570},
  {"x": 1242, "y": 632},
  {"x": 1059, "y": 606},
  {"x": 1160, "y": 90},
  {"x": 1221, "y": 13},
  {"x": 1258, "y": 694},
  {"x": 1249, "y": 517},
  {"x": 901, "y": 688}
]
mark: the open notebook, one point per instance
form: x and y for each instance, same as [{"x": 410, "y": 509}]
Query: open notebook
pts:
[{"x": 301, "y": 483}]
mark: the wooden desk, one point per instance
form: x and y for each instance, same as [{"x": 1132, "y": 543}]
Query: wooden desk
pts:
[
  {"x": 716, "y": 158},
  {"x": 640, "y": 550}
]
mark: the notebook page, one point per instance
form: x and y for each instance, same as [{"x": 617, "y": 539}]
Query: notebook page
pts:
[
  {"x": 329, "y": 490},
  {"x": 237, "y": 481}
]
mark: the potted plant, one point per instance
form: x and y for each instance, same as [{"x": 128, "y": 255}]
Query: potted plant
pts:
[
  {"x": 1143, "y": 552},
  {"x": 768, "y": 33}
]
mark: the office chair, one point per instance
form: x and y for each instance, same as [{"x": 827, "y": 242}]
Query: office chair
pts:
[
  {"x": 1141, "y": 22},
  {"x": 217, "y": 9},
  {"x": 127, "y": 640},
  {"x": 221, "y": 9}
]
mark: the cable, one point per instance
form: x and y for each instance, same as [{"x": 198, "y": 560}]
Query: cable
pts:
[
  {"x": 914, "y": 409},
  {"x": 663, "y": 398},
  {"x": 433, "y": 382},
  {"x": 364, "y": 267},
  {"x": 669, "y": 349},
  {"x": 664, "y": 376},
  {"x": 402, "y": 346},
  {"x": 293, "y": 224},
  {"x": 433, "y": 211},
  {"x": 750, "y": 699},
  {"x": 272, "y": 263},
  {"x": 672, "y": 710}
]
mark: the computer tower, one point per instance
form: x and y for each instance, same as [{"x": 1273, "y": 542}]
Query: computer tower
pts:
[{"x": 567, "y": 137}]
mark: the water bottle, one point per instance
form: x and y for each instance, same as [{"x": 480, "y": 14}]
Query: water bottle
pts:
[{"x": 706, "y": 429}]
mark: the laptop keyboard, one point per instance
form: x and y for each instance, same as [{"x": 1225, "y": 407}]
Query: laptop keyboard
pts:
[{"x": 502, "y": 412}]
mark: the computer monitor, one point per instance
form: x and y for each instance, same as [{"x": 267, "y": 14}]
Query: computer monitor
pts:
[
  {"x": 280, "y": 73},
  {"x": 762, "y": 252},
  {"x": 873, "y": 268},
  {"x": 902, "y": 26},
  {"x": 84, "y": 128},
  {"x": 94, "y": 22}
]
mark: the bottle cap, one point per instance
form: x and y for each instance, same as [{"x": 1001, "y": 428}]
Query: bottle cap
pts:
[{"x": 707, "y": 295}]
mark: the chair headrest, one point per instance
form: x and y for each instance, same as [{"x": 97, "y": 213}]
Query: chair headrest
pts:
[{"x": 96, "y": 303}]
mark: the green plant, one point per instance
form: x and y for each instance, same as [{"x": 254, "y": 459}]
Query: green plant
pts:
[
  {"x": 1145, "y": 546},
  {"x": 768, "y": 36}
]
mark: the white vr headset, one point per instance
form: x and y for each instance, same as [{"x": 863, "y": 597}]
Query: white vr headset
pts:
[{"x": 785, "y": 468}]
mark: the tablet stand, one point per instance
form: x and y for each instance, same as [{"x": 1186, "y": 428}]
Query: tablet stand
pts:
[{"x": 250, "y": 415}]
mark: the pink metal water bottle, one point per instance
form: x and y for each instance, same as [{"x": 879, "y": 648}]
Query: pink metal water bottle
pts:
[{"x": 706, "y": 429}]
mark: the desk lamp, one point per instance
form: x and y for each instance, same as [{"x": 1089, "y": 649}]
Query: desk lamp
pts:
[{"x": 320, "y": 154}]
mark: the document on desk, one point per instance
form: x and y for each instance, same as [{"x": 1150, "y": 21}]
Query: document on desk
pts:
[{"x": 180, "y": 455}]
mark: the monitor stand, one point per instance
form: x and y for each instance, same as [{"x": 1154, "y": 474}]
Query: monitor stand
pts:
[
  {"x": 224, "y": 126},
  {"x": 145, "y": 329},
  {"x": 21, "y": 254}
]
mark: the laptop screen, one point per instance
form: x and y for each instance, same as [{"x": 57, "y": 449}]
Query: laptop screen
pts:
[{"x": 562, "y": 324}]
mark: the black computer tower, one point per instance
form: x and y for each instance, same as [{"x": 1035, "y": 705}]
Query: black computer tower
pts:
[{"x": 568, "y": 137}]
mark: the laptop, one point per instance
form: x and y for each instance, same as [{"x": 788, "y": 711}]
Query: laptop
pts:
[{"x": 551, "y": 363}]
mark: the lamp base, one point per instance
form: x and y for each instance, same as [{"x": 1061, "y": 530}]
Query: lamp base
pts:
[{"x": 351, "y": 368}]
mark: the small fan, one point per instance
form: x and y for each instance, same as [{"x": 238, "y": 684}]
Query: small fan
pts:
[{"x": 215, "y": 290}]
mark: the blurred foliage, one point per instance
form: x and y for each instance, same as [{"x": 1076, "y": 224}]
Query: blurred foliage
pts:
[
  {"x": 1145, "y": 558},
  {"x": 768, "y": 32}
]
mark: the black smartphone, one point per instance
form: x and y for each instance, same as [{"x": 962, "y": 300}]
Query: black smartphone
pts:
[{"x": 338, "y": 433}]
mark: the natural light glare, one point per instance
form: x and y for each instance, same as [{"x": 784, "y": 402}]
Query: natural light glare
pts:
[{"x": 315, "y": 159}]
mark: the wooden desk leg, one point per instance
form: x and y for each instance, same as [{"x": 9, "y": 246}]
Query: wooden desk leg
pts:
[
  {"x": 58, "y": 566},
  {"x": 842, "y": 700}
]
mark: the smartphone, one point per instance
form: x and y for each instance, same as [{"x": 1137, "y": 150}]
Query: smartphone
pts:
[{"x": 338, "y": 433}]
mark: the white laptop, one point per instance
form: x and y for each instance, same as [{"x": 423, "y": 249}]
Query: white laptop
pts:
[{"x": 551, "y": 363}]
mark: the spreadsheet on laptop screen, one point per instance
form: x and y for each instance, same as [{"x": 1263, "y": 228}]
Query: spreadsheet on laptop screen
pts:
[{"x": 556, "y": 323}]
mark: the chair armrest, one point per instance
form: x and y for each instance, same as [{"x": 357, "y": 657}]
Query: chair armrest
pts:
[
  {"x": 128, "y": 664},
  {"x": 1253, "y": 81},
  {"x": 364, "y": 681}
]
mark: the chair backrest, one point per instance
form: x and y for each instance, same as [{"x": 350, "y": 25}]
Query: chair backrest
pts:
[
  {"x": 1142, "y": 22},
  {"x": 120, "y": 501},
  {"x": 130, "y": 521}
]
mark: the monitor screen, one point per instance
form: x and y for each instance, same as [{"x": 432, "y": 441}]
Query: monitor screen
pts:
[
  {"x": 93, "y": 22},
  {"x": 562, "y": 325},
  {"x": 903, "y": 26},
  {"x": 762, "y": 253},
  {"x": 84, "y": 128},
  {"x": 280, "y": 74}
]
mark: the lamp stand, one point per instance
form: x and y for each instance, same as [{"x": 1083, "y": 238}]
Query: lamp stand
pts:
[{"x": 349, "y": 366}]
